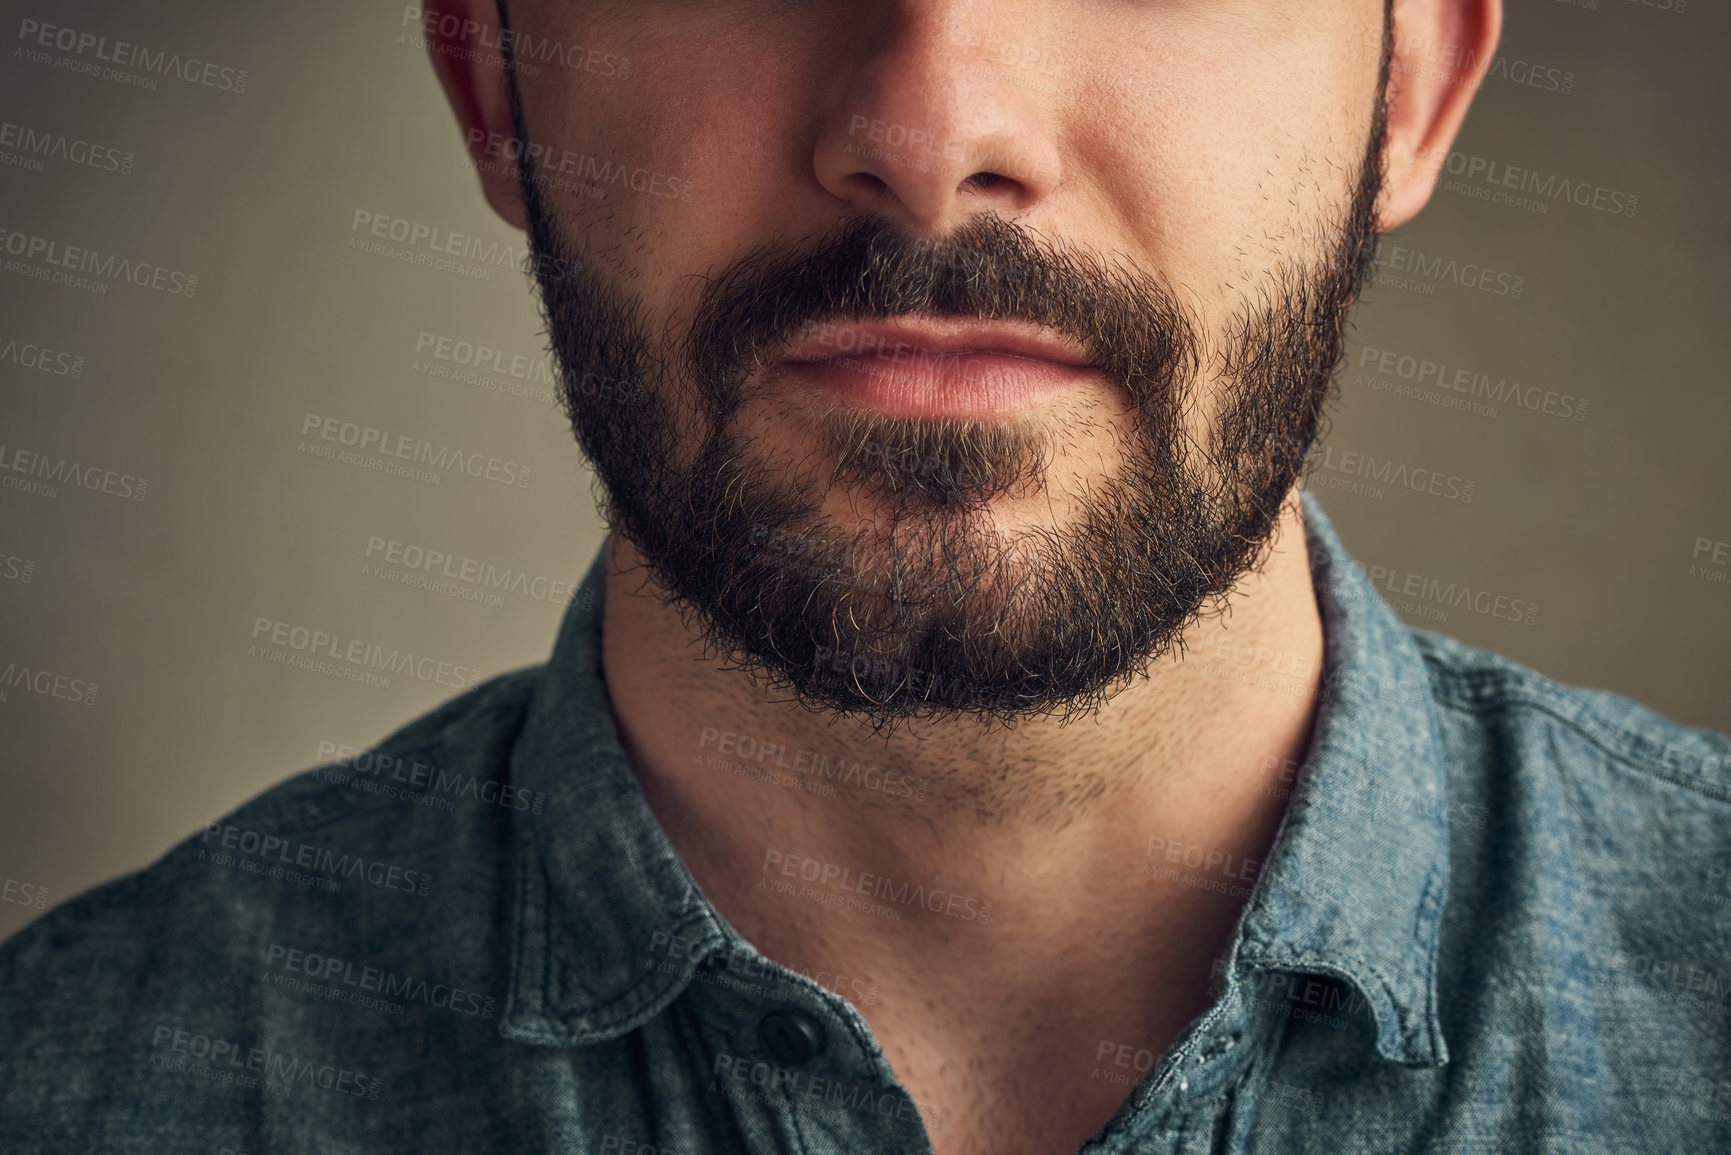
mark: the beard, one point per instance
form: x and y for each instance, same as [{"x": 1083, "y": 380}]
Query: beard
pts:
[{"x": 926, "y": 608}]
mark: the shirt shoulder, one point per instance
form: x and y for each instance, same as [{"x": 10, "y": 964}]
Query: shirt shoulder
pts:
[
  {"x": 1496, "y": 694},
  {"x": 388, "y": 859},
  {"x": 1588, "y": 913}
]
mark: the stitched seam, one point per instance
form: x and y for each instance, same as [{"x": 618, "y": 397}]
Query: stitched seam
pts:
[
  {"x": 1489, "y": 692},
  {"x": 1632, "y": 761}
]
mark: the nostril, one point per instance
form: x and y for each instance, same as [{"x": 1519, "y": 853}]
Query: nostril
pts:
[{"x": 983, "y": 179}]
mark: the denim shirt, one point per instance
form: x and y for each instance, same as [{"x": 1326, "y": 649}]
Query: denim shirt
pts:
[{"x": 1495, "y": 919}]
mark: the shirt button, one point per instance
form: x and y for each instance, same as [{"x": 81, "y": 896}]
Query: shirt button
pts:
[{"x": 791, "y": 1037}]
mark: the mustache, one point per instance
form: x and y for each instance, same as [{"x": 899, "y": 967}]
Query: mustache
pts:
[{"x": 1130, "y": 322}]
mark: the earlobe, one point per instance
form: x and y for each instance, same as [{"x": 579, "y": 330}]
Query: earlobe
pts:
[
  {"x": 463, "y": 41},
  {"x": 1441, "y": 51}
]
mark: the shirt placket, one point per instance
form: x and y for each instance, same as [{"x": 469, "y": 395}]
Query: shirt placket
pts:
[
  {"x": 1193, "y": 1100},
  {"x": 798, "y": 1056}
]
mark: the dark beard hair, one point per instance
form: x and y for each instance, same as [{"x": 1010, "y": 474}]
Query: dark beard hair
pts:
[{"x": 928, "y": 613}]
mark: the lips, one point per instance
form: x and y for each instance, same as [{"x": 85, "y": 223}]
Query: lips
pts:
[
  {"x": 936, "y": 367},
  {"x": 925, "y": 339}
]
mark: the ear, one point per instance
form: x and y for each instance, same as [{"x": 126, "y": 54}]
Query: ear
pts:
[
  {"x": 463, "y": 39},
  {"x": 1442, "y": 50}
]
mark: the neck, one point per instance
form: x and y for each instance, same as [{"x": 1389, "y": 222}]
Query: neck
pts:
[{"x": 810, "y": 832}]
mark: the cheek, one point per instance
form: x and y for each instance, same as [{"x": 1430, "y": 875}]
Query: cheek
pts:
[
  {"x": 706, "y": 158},
  {"x": 1220, "y": 162}
]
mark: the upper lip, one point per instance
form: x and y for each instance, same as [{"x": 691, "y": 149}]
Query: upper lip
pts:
[{"x": 934, "y": 336}]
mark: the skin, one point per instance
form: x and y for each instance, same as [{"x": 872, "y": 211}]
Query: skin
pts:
[{"x": 1205, "y": 141}]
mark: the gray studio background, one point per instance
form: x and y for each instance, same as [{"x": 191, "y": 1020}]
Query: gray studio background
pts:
[{"x": 1598, "y": 521}]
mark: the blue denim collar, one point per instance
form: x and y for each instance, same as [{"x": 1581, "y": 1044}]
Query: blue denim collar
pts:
[
  {"x": 1353, "y": 887},
  {"x": 595, "y": 875},
  {"x": 1355, "y": 882}
]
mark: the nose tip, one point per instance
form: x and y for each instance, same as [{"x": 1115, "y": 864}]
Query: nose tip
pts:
[
  {"x": 919, "y": 136},
  {"x": 928, "y": 184}
]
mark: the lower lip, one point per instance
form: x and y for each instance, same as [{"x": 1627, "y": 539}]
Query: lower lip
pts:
[{"x": 941, "y": 385}]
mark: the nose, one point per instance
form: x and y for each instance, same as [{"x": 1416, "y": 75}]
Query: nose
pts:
[{"x": 925, "y": 130}]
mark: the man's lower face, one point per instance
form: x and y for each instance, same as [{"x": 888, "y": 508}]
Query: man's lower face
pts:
[{"x": 876, "y": 571}]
